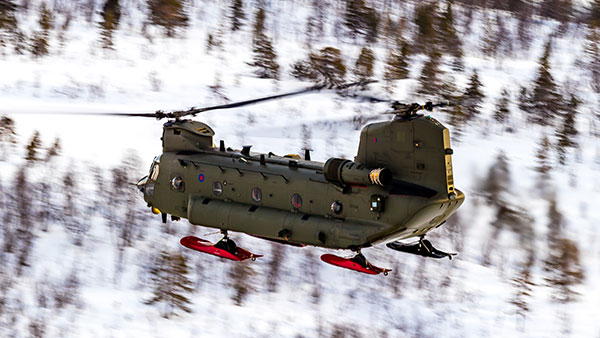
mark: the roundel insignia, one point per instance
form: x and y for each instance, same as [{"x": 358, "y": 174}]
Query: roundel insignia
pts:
[{"x": 201, "y": 177}]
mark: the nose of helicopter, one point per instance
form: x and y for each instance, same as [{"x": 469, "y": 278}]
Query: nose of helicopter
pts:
[{"x": 141, "y": 184}]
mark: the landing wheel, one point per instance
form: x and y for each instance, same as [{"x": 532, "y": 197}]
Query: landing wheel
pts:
[{"x": 385, "y": 273}]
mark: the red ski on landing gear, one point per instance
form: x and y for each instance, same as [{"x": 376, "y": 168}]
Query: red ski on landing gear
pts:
[
  {"x": 357, "y": 263},
  {"x": 225, "y": 248}
]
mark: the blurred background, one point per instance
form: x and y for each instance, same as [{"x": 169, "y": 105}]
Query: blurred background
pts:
[{"x": 82, "y": 256}]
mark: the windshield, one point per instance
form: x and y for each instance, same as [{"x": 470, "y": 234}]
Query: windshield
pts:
[{"x": 154, "y": 168}]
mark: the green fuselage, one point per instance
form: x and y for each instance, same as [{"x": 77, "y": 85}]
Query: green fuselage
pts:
[{"x": 231, "y": 190}]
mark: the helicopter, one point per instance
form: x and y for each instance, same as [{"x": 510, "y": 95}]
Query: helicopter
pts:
[{"x": 399, "y": 185}]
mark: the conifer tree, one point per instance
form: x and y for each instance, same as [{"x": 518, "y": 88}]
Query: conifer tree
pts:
[
  {"x": 457, "y": 120},
  {"x": 543, "y": 164},
  {"x": 328, "y": 66},
  {"x": 430, "y": 74},
  {"x": 169, "y": 14},
  {"x": 592, "y": 50},
  {"x": 516, "y": 220},
  {"x": 515, "y": 6},
  {"x": 111, "y": 14},
  {"x": 567, "y": 132},
  {"x": 303, "y": 71},
  {"x": 425, "y": 16},
  {"x": 447, "y": 37},
  {"x": 525, "y": 104},
  {"x": 556, "y": 222},
  {"x": 564, "y": 270},
  {"x": 396, "y": 65},
  {"x": 39, "y": 44},
  {"x": 505, "y": 38},
  {"x": 237, "y": 15},
  {"x": 264, "y": 57},
  {"x": 33, "y": 147},
  {"x": 559, "y": 10},
  {"x": 524, "y": 35},
  {"x": 170, "y": 284},
  {"x": 502, "y": 113},
  {"x": 54, "y": 150},
  {"x": 497, "y": 181},
  {"x": 390, "y": 30},
  {"x": 492, "y": 38},
  {"x": 8, "y": 21},
  {"x": 472, "y": 97},
  {"x": 315, "y": 23},
  {"x": 8, "y": 136},
  {"x": 545, "y": 101},
  {"x": 361, "y": 20},
  {"x": 258, "y": 29},
  {"x": 594, "y": 13},
  {"x": 363, "y": 68}
]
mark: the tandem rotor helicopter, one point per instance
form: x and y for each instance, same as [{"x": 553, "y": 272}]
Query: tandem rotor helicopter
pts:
[{"x": 399, "y": 185}]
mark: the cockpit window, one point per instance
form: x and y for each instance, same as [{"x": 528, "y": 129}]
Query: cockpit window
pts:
[{"x": 154, "y": 169}]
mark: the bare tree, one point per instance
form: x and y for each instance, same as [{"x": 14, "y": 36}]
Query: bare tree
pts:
[
  {"x": 274, "y": 274},
  {"x": 24, "y": 233},
  {"x": 523, "y": 289},
  {"x": 241, "y": 275},
  {"x": 170, "y": 284},
  {"x": 66, "y": 292}
]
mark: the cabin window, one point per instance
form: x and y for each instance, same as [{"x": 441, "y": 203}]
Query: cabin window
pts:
[
  {"x": 296, "y": 201},
  {"x": 256, "y": 194},
  {"x": 217, "y": 188},
  {"x": 337, "y": 207},
  {"x": 177, "y": 183}
]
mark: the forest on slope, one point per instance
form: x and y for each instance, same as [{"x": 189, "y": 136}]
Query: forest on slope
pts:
[{"x": 80, "y": 254}]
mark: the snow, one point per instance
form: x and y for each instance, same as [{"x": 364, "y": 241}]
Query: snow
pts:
[{"x": 82, "y": 78}]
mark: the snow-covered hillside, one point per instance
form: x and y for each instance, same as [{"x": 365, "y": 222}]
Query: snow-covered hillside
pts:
[{"x": 93, "y": 244}]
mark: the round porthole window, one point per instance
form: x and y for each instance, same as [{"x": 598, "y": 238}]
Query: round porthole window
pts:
[
  {"x": 217, "y": 188},
  {"x": 337, "y": 207},
  {"x": 177, "y": 183},
  {"x": 256, "y": 194},
  {"x": 296, "y": 201}
]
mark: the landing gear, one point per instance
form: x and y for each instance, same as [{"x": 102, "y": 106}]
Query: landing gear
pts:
[
  {"x": 225, "y": 248},
  {"x": 357, "y": 263},
  {"x": 226, "y": 244},
  {"x": 422, "y": 248}
]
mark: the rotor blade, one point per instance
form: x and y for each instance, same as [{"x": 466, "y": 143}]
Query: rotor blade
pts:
[
  {"x": 194, "y": 111},
  {"x": 254, "y": 101},
  {"x": 85, "y": 113},
  {"x": 157, "y": 115}
]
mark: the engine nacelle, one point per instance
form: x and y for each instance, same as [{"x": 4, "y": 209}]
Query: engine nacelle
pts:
[
  {"x": 186, "y": 135},
  {"x": 346, "y": 172}
]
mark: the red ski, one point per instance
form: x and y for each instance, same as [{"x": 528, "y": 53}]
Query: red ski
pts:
[
  {"x": 357, "y": 263},
  {"x": 225, "y": 248}
]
